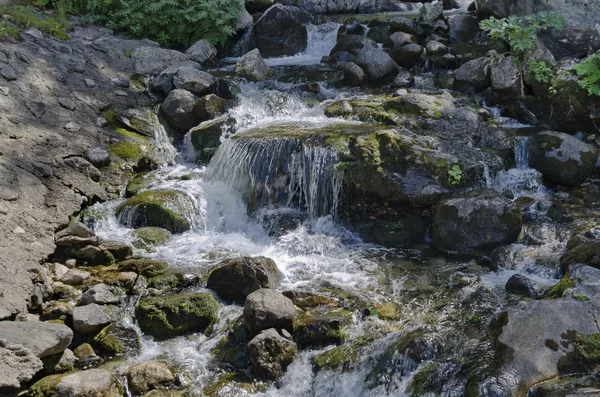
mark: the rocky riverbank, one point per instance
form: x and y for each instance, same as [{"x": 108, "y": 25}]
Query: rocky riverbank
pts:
[{"x": 403, "y": 210}]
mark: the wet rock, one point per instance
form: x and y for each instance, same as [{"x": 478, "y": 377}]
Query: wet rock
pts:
[
  {"x": 587, "y": 253},
  {"x": 99, "y": 157},
  {"x": 353, "y": 74},
  {"x": 473, "y": 76},
  {"x": 259, "y": 5},
  {"x": 429, "y": 106},
  {"x": 151, "y": 236},
  {"x": 42, "y": 339},
  {"x": 253, "y": 67},
  {"x": 85, "y": 350},
  {"x": 379, "y": 33},
  {"x": 75, "y": 277},
  {"x": 169, "y": 316},
  {"x": 408, "y": 55},
  {"x": 377, "y": 64},
  {"x": 93, "y": 382},
  {"x": 281, "y": 221},
  {"x": 266, "y": 308},
  {"x": 281, "y": 30},
  {"x": 523, "y": 286},
  {"x": 351, "y": 44},
  {"x": 18, "y": 365},
  {"x": 164, "y": 81},
  {"x": 202, "y": 52},
  {"x": 142, "y": 121},
  {"x": 463, "y": 28},
  {"x": 475, "y": 221},
  {"x": 153, "y": 60},
  {"x": 235, "y": 279},
  {"x": 206, "y": 137},
  {"x": 430, "y": 12},
  {"x": 85, "y": 167},
  {"x": 493, "y": 8},
  {"x": 507, "y": 80},
  {"x": 399, "y": 39},
  {"x": 195, "y": 81},
  {"x": 561, "y": 158},
  {"x": 92, "y": 318},
  {"x": 209, "y": 107},
  {"x": 99, "y": 294},
  {"x": 143, "y": 266},
  {"x": 270, "y": 354},
  {"x": 403, "y": 24},
  {"x": 168, "y": 209},
  {"x": 148, "y": 376},
  {"x": 320, "y": 330},
  {"x": 435, "y": 48},
  {"x": 92, "y": 255},
  {"x": 118, "y": 249},
  {"x": 116, "y": 339}
]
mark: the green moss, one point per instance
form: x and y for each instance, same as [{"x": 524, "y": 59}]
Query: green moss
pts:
[
  {"x": 136, "y": 184},
  {"x": 422, "y": 381},
  {"x": 84, "y": 350},
  {"x": 341, "y": 357},
  {"x": 126, "y": 151},
  {"x": 229, "y": 379},
  {"x": 558, "y": 290},
  {"x": 145, "y": 267},
  {"x": 386, "y": 311},
  {"x": 25, "y": 17},
  {"x": 109, "y": 343},
  {"x": 165, "y": 282},
  {"x": 45, "y": 387},
  {"x": 7, "y": 29},
  {"x": 151, "y": 236},
  {"x": 585, "y": 356}
]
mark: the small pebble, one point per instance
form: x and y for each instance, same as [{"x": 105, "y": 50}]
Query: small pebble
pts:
[
  {"x": 72, "y": 127},
  {"x": 19, "y": 230},
  {"x": 4, "y": 91},
  {"x": 70, "y": 263},
  {"x": 120, "y": 93},
  {"x": 90, "y": 83},
  {"x": 101, "y": 122},
  {"x": 66, "y": 103}
]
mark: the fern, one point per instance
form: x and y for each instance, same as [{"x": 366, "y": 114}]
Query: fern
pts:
[
  {"x": 541, "y": 71},
  {"x": 589, "y": 74}
]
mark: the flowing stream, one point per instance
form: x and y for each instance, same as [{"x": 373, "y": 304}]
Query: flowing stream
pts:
[{"x": 239, "y": 192}]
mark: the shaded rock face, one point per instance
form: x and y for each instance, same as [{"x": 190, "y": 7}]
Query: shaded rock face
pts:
[
  {"x": 473, "y": 76},
  {"x": 348, "y": 6},
  {"x": 562, "y": 158},
  {"x": 475, "y": 221},
  {"x": 202, "y": 52},
  {"x": 42, "y": 339},
  {"x": 235, "y": 279},
  {"x": 507, "y": 80},
  {"x": 281, "y": 30},
  {"x": 270, "y": 354},
  {"x": 266, "y": 308}
]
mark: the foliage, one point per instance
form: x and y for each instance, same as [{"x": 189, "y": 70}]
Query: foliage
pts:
[
  {"x": 589, "y": 74},
  {"x": 7, "y": 29},
  {"x": 170, "y": 22},
  {"x": 541, "y": 71},
  {"x": 520, "y": 33},
  {"x": 455, "y": 174},
  {"x": 25, "y": 17}
]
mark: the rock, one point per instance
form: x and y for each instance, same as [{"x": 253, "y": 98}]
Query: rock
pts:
[
  {"x": 493, "y": 8},
  {"x": 85, "y": 350},
  {"x": 587, "y": 253},
  {"x": 507, "y": 80},
  {"x": 118, "y": 249},
  {"x": 435, "y": 48},
  {"x": 472, "y": 76},
  {"x": 245, "y": 20},
  {"x": 404, "y": 79},
  {"x": 66, "y": 104},
  {"x": 259, "y": 5},
  {"x": 320, "y": 330},
  {"x": 85, "y": 167},
  {"x": 379, "y": 33},
  {"x": 148, "y": 376},
  {"x": 92, "y": 318},
  {"x": 178, "y": 108},
  {"x": 169, "y": 209},
  {"x": 538, "y": 53},
  {"x": 430, "y": 12},
  {"x": 142, "y": 121},
  {"x": 89, "y": 83},
  {"x": 202, "y": 52},
  {"x": 99, "y": 294},
  {"x": 116, "y": 340},
  {"x": 206, "y": 137},
  {"x": 209, "y": 107},
  {"x": 235, "y": 279},
  {"x": 92, "y": 255},
  {"x": 164, "y": 81},
  {"x": 266, "y": 308},
  {"x": 18, "y": 365},
  {"x": 429, "y": 106},
  {"x": 523, "y": 286},
  {"x": 403, "y": 24},
  {"x": 98, "y": 157},
  {"x": 36, "y": 108},
  {"x": 151, "y": 236},
  {"x": 281, "y": 30},
  {"x": 195, "y": 81},
  {"x": 169, "y": 316},
  {"x": 76, "y": 229},
  {"x": 353, "y": 74},
  {"x": 143, "y": 266},
  {"x": 60, "y": 270},
  {"x": 253, "y": 67},
  {"x": 42, "y": 339},
  {"x": 408, "y": 55},
  {"x": 463, "y": 28},
  {"x": 93, "y": 382},
  {"x": 377, "y": 64},
  {"x": 475, "y": 221},
  {"x": 561, "y": 158},
  {"x": 270, "y": 354},
  {"x": 55, "y": 310},
  {"x": 153, "y": 60},
  {"x": 281, "y": 221},
  {"x": 351, "y": 44},
  {"x": 8, "y": 72},
  {"x": 75, "y": 277},
  {"x": 399, "y": 39}
]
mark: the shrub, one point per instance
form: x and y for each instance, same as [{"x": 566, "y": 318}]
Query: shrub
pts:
[
  {"x": 176, "y": 23},
  {"x": 25, "y": 17},
  {"x": 588, "y": 71}
]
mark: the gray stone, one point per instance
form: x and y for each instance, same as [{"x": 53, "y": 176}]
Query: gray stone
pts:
[
  {"x": 403, "y": 24},
  {"x": 35, "y": 33},
  {"x": 59, "y": 270},
  {"x": 5, "y": 91},
  {"x": 253, "y": 67},
  {"x": 270, "y": 354},
  {"x": 434, "y": 48},
  {"x": 399, "y": 39},
  {"x": 430, "y": 12},
  {"x": 202, "y": 52},
  {"x": 66, "y": 103},
  {"x": 72, "y": 127},
  {"x": 209, "y": 107},
  {"x": 98, "y": 157},
  {"x": 493, "y": 8},
  {"x": 8, "y": 72},
  {"x": 266, "y": 308},
  {"x": 178, "y": 108},
  {"x": 75, "y": 277},
  {"x": 18, "y": 365},
  {"x": 42, "y": 339},
  {"x": 507, "y": 80},
  {"x": 473, "y": 76},
  {"x": 36, "y": 108},
  {"x": 122, "y": 82},
  {"x": 153, "y": 60},
  {"x": 149, "y": 376},
  {"x": 89, "y": 83},
  {"x": 8, "y": 194},
  {"x": 194, "y": 80},
  {"x": 77, "y": 229},
  {"x": 99, "y": 294},
  {"x": 93, "y": 382},
  {"x": 44, "y": 170},
  {"x": 407, "y": 56},
  {"x": 353, "y": 74},
  {"x": 164, "y": 81},
  {"x": 92, "y": 318},
  {"x": 404, "y": 79},
  {"x": 85, "y": 167},
  {"x": 463, "y": 28},
  {"x": 377, "y": 64},
  {"x": 524, "y": 286}
]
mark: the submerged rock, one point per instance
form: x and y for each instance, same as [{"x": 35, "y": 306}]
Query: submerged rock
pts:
[
  {"x": 170, "y": 209},
  {"x": 235, "y": 279},
  {"x": 475, "y": 221},
  {"x": 151, "y": 236},
  {"x": 266, "y": 308},
  {"x": 270, "y": 354},
  {"x": 562, "y": 158},
  {"x": 168, "y": 316}
]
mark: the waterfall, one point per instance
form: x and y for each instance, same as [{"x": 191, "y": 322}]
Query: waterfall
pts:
[
  {"x": 281, "y": 172},
  {"x": 521, "y": 153}
]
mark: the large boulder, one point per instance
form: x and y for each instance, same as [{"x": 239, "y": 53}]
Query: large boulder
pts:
[
  {"x": 266, "y": 308},
  {"x": 42, "y": 339},
  {"x": 90, "y": 383},
  {"x": 281, "y": 30},
  {"x": 252, "y": 66},
  {"x": 202, "y": 52},
  {"x": 472, "y": 76},
  {"x": 92, "y": 318},
  {"x": 377, "y": 64},
  {"x": 169, "y": 316},
  {"x": 163, "y": 82},
  {"x": 463, "y": 28},
  {"x": 235, "y": 279},
  {"x": 169, "y": 209},
  {"x": 507, "y": 80},
  {"x": 562, "y": 158},
  {"x": 270, "y": 354},
  {"x": 407, "y": 56},
  {"x": 18, "y": 365},
  {"x": 353, "y": 74},
  {"x": 178, "y": 108},
  {"x": 475, "y": 221},
  {"x": 153, "y": 60},
  {"x": 148, "y": 376}
]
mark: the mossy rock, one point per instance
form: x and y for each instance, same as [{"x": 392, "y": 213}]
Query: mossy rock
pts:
[
  {"x": 586, "y": 253},
  {"x": 173, "y": 279},
  {"x": 169, "y": 209},
  {"x": 169, "y": 316},
  {"x": 423, "y": 381},
  {"x": 115, "y": 340},
  {"x": 84, "y": 350},
  {"x": 126, "y": 150},
  {"x": 151, "y": 236},
  {"x": 321, "y": 330},
  {"x": 143, "y": 266},
  {"x": 341, "y": 357},
  {"x": 584, "y": 358},
  {"x": 137, "y": 183},
  {"x": 230, "y": 381},
  {"x": 558, "y": 290},
  {"x": 46, "y": 387}
]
